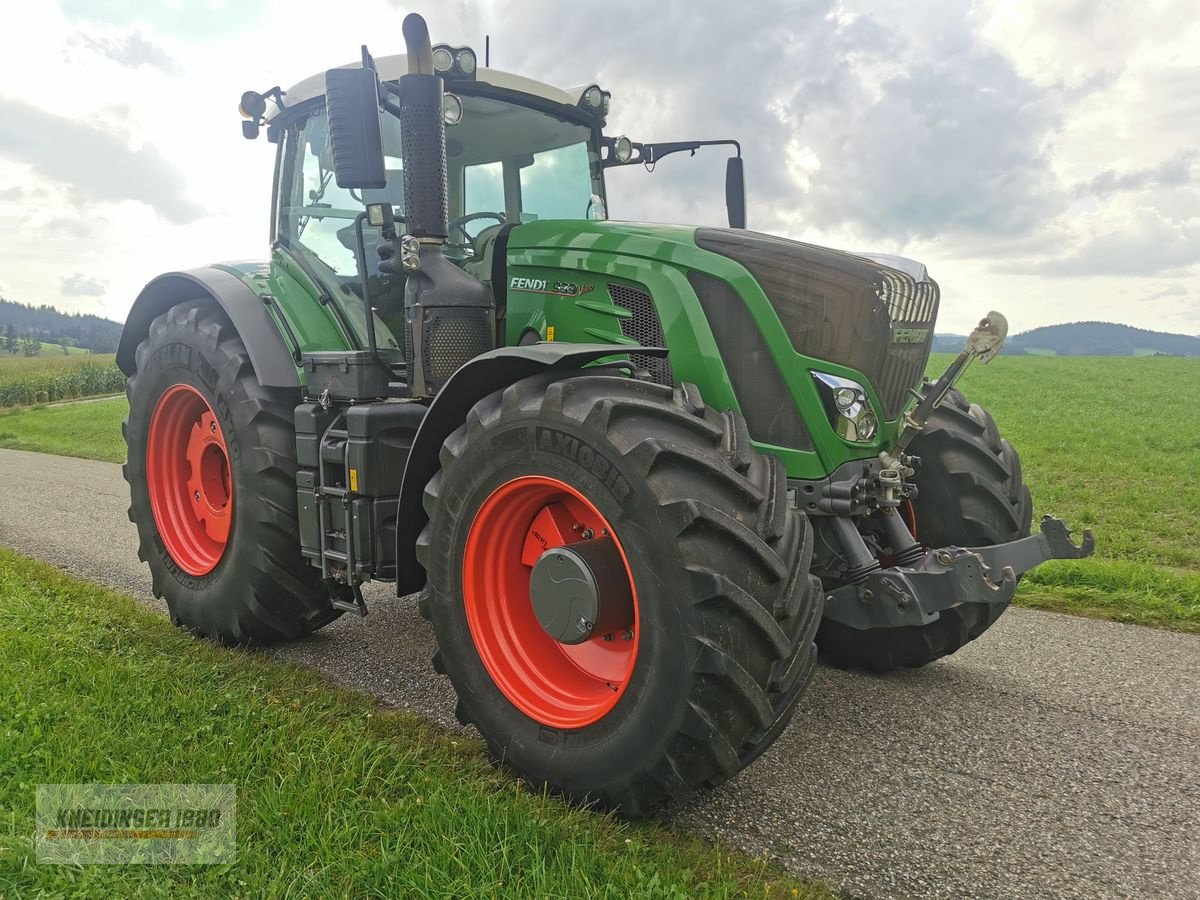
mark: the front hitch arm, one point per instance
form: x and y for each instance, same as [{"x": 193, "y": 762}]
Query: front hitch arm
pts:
[
  {"x": 1052, "y": 542},
  {"x": 950, "y": 576}
]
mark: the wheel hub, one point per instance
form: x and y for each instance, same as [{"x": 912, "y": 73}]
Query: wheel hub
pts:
[{"x": 581, "y": 589}]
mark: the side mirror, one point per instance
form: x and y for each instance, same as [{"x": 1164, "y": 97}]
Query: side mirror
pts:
[
  {"x": 735, "y": 192},
  {"x": 352, "y": 105}
]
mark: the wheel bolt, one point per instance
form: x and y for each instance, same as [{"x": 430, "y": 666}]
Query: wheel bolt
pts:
[
  {"x": 197, "y": 496},
  {"x": 212, "y": 426},
  {"x": 588, "y": 534}
]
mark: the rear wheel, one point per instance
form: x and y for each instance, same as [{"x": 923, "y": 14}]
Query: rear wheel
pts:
[
  {"x": 688, "y": 635},
  {"x": 970, "y": 494},
  {"x": 211, "y": 469}
]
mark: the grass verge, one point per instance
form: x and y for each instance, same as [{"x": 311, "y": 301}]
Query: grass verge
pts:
[
  {"x": 90, "y": 429},
  {"x": 336, "y": 796}
]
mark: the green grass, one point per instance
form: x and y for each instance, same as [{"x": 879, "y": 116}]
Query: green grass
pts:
[
  {"x": 91, "y": 429},
  {"x": 25, "y": 380},
  {"x": 336, "y": 796},
  {"x": 1112, "y": 444}
]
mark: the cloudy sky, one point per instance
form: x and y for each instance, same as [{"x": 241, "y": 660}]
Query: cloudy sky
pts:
[{"x": 1040, "y": 156}]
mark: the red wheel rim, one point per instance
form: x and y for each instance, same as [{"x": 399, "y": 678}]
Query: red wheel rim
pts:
[
  {"x": 187, "y": 472},
  {"x": 555, "y": 684}
]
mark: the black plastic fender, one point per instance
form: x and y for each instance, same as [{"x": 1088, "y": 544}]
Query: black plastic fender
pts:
[
  {"x": 484, "y": 374},
  {"x": 273, "y": 361}
]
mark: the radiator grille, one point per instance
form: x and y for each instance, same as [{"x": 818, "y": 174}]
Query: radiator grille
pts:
[
  {"x": 645, "y": 328},
  {"x": 911, "y": 306}
]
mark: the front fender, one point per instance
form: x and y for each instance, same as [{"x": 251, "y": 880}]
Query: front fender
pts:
[
  {"x": 486, "y": 373},
  {"x": 273, "y": 361}
]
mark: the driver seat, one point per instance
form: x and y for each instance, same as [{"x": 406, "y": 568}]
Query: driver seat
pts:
[{"x": 480, "y": 266}]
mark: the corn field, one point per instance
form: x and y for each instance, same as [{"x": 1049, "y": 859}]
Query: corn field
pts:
[{"x": 25, "y": 381}]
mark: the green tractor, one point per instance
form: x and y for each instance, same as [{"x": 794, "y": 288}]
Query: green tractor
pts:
[{"x": 638, "y": 474}]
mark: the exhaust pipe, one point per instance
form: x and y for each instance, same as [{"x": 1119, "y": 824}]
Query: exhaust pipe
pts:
[
  {"x": 449, "y": 317},
  {"x": 423, "y": 136}
]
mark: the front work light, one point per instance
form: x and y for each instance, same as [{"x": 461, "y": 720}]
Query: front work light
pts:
[
  {"x": 622, "y": 149},
  {"x": 593, "y": 98},
  {"x": 454, "y": 62},
  {"x": 443, "y": 59},
  {"x": 452, "y": 109}
]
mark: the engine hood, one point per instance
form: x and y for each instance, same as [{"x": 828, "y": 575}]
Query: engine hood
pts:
[{"x": 652, "y": 240}]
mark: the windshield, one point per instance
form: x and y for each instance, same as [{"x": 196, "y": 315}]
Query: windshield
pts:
[
  {"x": 522, "y": 163},
  {"x": 505, "y": 163}
]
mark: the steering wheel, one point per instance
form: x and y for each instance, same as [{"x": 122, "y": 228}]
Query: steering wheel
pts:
[{"x": 459, "y": 224}]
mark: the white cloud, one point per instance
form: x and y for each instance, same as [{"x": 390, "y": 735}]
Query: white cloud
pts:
[{"x": 1011, "y": 146}]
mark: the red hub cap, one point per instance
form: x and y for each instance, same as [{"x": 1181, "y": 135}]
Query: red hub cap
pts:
[
  {"x": 187, "y": 472},
  {"x": 557, "y": 684}
]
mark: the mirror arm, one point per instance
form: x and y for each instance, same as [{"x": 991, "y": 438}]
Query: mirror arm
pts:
[{"x": 648, "y": 154}]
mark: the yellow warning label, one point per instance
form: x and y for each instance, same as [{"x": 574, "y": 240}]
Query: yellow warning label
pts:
[
  {"x": 354, "y": 479},
  {"x": 549, "y": 332}
]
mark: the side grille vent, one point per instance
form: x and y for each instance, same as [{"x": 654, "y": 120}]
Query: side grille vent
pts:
[
  {"x": 644, "y": 328},
  {"x": 763, "y": 395}
]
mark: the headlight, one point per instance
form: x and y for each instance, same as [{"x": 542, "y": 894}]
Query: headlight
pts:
[
  {"x": 466, "y": 61},
  {"x": 593, "y": 98},
  {"x": 847, "y": 406}
]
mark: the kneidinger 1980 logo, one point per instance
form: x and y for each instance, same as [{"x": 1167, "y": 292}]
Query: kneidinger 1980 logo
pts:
[{"x": 136, "y": 823}]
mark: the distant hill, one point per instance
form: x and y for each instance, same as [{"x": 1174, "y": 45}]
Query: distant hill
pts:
[
  {"x": 47, "y": 324},
  {"x": 1086, "y": 339}
]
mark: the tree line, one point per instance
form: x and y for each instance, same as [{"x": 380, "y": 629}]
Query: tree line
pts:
[{"x": 39, "y": 324}]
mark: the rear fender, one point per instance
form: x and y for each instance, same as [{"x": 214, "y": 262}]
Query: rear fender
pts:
[
  {"x": 273, "y": 360},
  {"x": 483, "y": 375}
]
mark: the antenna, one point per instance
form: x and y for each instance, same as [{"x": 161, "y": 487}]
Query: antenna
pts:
[{"x": 487, "y": 51}]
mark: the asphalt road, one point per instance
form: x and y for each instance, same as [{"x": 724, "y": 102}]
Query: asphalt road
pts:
[{"x": 1055, "y": 757}]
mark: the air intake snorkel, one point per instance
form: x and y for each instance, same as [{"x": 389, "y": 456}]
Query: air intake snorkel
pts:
[{"x": 449, "y": 316}]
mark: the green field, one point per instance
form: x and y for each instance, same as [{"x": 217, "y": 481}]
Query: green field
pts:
[
  {"x": 1110, "y": 443},
  {"x": 336, "y": 796},
  {"x": 89, "y": 428},
  {"x": 26, "y": 380}
]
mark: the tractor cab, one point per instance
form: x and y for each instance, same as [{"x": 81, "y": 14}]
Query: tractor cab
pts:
[{"x": 517, "y": 151}]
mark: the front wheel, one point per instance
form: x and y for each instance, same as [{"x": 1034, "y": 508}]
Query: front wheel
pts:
[
  {"x": 619, "y": 589},
  {"x": 970, "y": 494}
]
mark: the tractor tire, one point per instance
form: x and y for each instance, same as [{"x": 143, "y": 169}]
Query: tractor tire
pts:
[
  {"x": 970, "y": 494},
  {"x": 211, "y": 467},
  {"x": 709, "y": 663}
]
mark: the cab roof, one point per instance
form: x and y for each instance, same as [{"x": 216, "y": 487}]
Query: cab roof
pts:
[{"x": 392, "y": 67}]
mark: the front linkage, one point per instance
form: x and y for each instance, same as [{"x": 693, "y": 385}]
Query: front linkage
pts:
[
  {"x": 940, "y": 579},
  {"x": 922, "y": 582}
]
